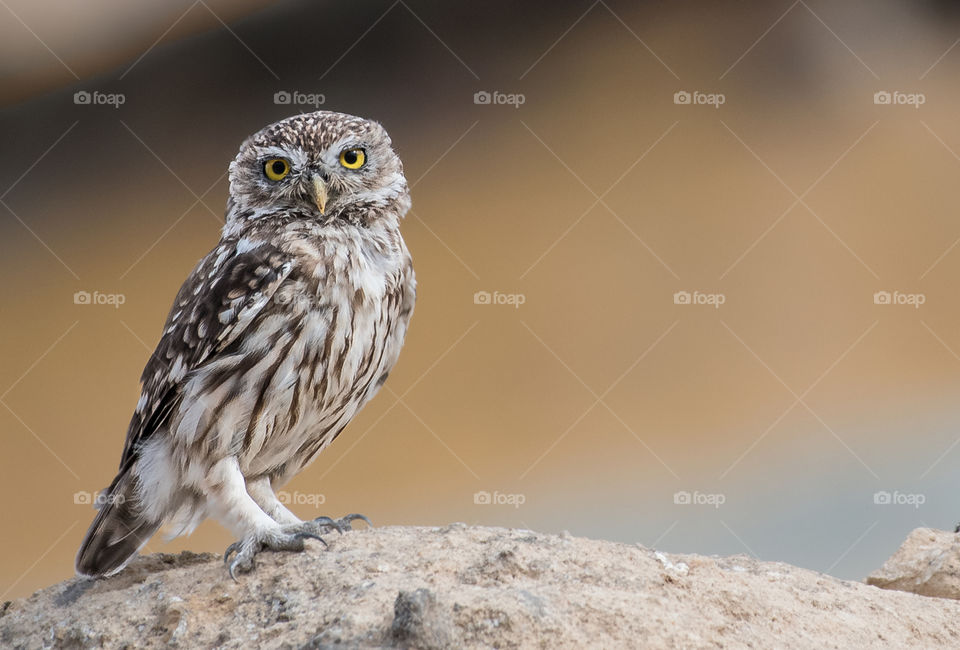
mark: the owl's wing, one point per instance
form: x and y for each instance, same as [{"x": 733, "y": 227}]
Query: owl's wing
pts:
[{"x": 222, "y": 296}]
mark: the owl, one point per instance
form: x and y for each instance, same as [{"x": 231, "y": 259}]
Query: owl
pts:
[{"x": 275, "y": 341}]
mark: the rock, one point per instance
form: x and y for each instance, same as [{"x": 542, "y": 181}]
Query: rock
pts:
[
  {"x": 418, "y": 622},
  {"x": 462, "y": 586},
  {"x": 928, "y": 563}
]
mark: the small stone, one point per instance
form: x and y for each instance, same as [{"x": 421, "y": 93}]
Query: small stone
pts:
[{"x": 928, "y": 563}]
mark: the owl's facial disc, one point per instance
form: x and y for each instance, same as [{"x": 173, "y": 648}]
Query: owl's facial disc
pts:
[
  {"x": 325, "y": 166},
  {"x": 325, "y": 181}
]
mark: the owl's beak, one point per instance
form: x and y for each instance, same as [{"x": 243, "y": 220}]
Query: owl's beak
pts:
[{"x": 320, "y": 193}]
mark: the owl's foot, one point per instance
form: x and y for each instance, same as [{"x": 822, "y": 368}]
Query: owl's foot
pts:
[{"x": 287, "y": 538}]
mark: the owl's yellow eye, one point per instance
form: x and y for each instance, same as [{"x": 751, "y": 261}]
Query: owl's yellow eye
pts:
[
  {"x": 276, "y": 168},
  {"x": 353, "y": 158}
]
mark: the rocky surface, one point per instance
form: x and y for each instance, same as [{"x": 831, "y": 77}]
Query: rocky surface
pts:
[
  {"x": 928, "y": 563},
  {"x": 463, "y": 586}
]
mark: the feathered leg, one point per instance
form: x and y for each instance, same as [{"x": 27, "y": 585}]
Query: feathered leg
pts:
[{"x": 226, "y": 493}]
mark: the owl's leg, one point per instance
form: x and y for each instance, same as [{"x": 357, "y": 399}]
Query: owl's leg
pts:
[
  {"x": 261, "y": 490},
  {"x": 227, "y": 497}
]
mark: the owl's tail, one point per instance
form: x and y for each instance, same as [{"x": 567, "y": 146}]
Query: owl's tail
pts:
[{"x": 118, "y": 531}]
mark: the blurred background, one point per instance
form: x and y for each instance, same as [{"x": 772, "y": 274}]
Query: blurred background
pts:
[{"x": 687, "y": 270}]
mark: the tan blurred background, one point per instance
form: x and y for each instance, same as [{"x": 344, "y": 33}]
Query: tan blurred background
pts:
[{"x": 598, "y": 402}]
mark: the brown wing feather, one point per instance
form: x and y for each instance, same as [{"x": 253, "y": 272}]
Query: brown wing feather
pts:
[{"x": 223, "y": 294}]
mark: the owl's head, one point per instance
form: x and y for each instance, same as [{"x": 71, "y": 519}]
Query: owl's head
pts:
[{"x": 324, "y": 166}]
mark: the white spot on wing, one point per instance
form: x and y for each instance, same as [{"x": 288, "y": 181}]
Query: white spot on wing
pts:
[
  {"x": 245, "y": 245},
  {"x": 178, "y": 369}
]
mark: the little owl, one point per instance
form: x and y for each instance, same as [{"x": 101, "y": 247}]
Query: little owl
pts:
[{"x": 275, "y": 341}]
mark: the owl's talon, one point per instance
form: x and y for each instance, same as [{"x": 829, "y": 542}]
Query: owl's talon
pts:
[
  {"x": 327, "y": 521},
  {"x": 243, "y": 561},
  {"x": 233, "y": 548},
  {"x": 341, "y": 525},
  {"x": 244, "y": 567},
  {"x": 306, "y": 534},
  {"x": 347, "y": 520}
]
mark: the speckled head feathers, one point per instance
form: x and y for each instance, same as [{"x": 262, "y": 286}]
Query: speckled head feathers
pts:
[{"x": 347, "y": 159}]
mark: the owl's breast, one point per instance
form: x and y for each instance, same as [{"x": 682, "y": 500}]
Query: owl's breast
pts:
[{"x": 349, "y": 311}]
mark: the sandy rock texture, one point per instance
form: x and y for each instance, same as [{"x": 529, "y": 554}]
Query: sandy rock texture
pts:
[
  {"x": 461, "y": 586},
  {"x": 928, "y": 563}
]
